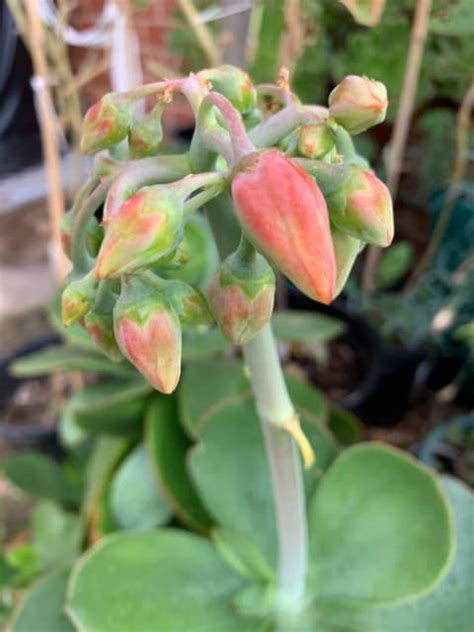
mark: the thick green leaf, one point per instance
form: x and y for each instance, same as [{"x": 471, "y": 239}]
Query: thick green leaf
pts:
[
  {"x": 106, "y": 454},
  {"x": 63, "y": 358},
  {"x": 344, "y": 425},
  {"x": 450, "y": 607},
  {"x": 241, "y": 555},
  {"x": 202, "y": 343},
  {"x": 135, "y": 500},
  {"x": 40, "y": 476},
  {"x": 230, "y": 469},
  {"x": 42, "y": 610},
  {"x": 204, "y": 384},
  {"x": 305, "y": 327},
  {"x": 168, "y": 445},
  {"x": 111, "y": 408},
  {"x": 57, "y": 535},
  {"x": 380, "y": 530},
  {"x": 166, "y": 580}
]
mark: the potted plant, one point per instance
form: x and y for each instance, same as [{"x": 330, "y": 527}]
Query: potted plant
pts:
[{"x": 365, "y": 534}]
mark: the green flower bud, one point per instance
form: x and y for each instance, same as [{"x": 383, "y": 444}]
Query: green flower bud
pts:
[
  {"x": 107, "y": 122},
  {"x": 346, "y": 249},
  {"x": 77, "y": 298},
  {"x": 358, "y": 103},
  {"x": 241, "y": 294},
  {"x": 315, "y": 140},
  {"x": 233, "y": 83},
  {"x": 146, "y": 134}
]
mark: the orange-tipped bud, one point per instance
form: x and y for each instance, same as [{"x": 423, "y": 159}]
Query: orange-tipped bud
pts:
[
  {"x": 358, "y": 103},
  {"x": 285, "y": 215},
  {"x": 316, "y": 140},
  {"x": 147, "y": 227},
  {"x": 107, "y": 122},
  {"x": 148, "y": 332},
  {"x": 368, "y": 212},
  {"x": 359, "y": 203},
  {"x": 77, "y": 298},
  {"x": 241, "y": 295}
]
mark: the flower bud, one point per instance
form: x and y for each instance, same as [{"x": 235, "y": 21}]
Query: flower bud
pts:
[
  {"x": 146, "y": 134},
  {"x": 241, "y": 295},
  {"x": 77, "y": 298},
  {"x": 315, "y": 140},
  {"x": 285, "y": 215},
  {"x": 189, "y": 303},
  {"x": 107, "y": 122},
  {"x": 346, "y": 249},
  {"x": 148, "y": 332},
  {"x": 146, "y": 227},
  {"x": 100, "y": 327},
  {"x": 366, "y": 12},
  {"x": 358, "y": 103},
  {"x": 233, "y": 83},
  {"x": 359, "y": 203},
  {"x": 368, "y": 213}
]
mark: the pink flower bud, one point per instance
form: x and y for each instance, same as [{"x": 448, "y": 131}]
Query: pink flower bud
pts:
[
  {"x": 346, "y": 249},
  {"x": 77, "y": 297},
  {"x": 315, "y": 140},
  {"x": 366, "y": 12},
  {"x": 368, "y": 213},
  {"x": 107, "y": 122},
  {"x": 233, "y": 83},
  {"x": 145, "y": 228},
  {"x": 241, "y": 295},
  {"x": 358, "y": 103},
  {"x": 285, "y": 215},
  {"x": 100, "y": 328},
  {"x": 148, "y": 332}
]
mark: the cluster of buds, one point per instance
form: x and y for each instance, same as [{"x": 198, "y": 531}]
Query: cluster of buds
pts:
[{"x": 305, "y": 202}]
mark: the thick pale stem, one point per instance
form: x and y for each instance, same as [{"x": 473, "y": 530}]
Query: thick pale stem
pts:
[{"x": 275, "y": 410}]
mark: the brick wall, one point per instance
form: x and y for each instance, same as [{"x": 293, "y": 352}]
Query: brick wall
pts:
[{"x": 151, "y": 24}]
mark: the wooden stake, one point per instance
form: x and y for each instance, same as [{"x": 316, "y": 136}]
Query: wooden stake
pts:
[
  {"x": 402, "y": 123},
  {"x": 49, "y": 136}
]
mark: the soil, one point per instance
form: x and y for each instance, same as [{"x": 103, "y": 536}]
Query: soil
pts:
[
  {"x": 336, "y": 374},
  {"x": 36, "y": 401}
]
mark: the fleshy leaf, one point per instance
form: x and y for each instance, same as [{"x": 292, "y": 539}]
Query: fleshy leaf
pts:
[
  {"x": 134, "y": 498},
  {"x": 380, "y": 530},
  {"x": 43, "y": 607},
  {"x": 168, "y": 446},
  {"x": 162, "y": 580}
]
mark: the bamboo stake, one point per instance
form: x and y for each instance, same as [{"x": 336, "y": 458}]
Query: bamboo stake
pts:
[
  {"x": 460, "y": 168},
  {"x": 402, "y": 123},
  {"x": 201, "y": 31},
  {"x": 49, "y": 136}
]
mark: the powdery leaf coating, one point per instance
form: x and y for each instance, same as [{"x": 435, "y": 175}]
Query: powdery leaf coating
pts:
[
  {"x": 358, "y": 103},
  {"x": 285, "y": 215},
  {"x": 153, "y": 347}
]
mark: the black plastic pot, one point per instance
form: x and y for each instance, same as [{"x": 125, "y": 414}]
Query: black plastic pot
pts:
[
  {"x": 387, "y": 375},
  {"x": 40, "y": 438}
]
